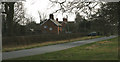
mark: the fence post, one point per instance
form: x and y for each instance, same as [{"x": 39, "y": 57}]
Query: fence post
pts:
[{"x": 0, "y": 32}]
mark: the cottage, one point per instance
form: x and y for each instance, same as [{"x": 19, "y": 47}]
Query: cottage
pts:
[
  {"x": 51, "y": 26},
  {"x": 54, "y": 26}
]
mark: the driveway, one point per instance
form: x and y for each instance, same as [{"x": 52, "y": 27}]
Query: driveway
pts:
[{"x": 51, "y": 48}]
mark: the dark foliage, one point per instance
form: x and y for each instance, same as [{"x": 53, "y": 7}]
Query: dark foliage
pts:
[{"x": 25, "y": 40}]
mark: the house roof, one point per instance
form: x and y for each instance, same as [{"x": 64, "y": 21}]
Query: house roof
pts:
[
  {"x": 54, "y": 21},
  {"x": 67, "y": 22}
]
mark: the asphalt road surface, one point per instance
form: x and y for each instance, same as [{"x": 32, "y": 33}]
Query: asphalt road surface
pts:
[{"x": 51, "y": 48}]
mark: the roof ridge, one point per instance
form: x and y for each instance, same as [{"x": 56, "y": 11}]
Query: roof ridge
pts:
[{"x": 56, "y": 22}]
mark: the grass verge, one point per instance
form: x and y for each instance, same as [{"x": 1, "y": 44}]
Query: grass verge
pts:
[
  {"x": 102, "y": 50},
  {"x": 21, "y": 47}
]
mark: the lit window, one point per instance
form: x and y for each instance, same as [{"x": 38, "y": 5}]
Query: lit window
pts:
[
  {"x": 50, "y": 28},
  {"x": 45, "y": 26}
]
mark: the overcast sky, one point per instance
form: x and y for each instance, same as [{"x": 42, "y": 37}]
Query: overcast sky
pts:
[{"x": 44, "y": 6}]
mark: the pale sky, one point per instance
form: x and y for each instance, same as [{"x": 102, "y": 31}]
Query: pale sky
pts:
[
  {"x": 44, "y": 6},
  {"x": 33, "y": 6}
]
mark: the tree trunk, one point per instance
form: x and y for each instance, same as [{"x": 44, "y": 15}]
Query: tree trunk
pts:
[{"x": 10, "y": 15}]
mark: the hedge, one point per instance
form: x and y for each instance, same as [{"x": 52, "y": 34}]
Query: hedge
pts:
[{"x": 24, "y": 40}]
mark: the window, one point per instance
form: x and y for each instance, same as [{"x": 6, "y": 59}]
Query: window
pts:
[
  {"x": 45, "y": 26},
  {"x": 50, "y": 28}
]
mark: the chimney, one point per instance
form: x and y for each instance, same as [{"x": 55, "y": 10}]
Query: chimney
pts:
[
  {"x": 51, "y": 16},
  {"x": 56, "y": 19},
  {"x": 65, "y": 20}
]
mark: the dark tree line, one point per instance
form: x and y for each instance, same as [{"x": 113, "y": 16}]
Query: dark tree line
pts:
[
  {"x": 13, "y": 19},
  {"x": 105, "y": 21}
]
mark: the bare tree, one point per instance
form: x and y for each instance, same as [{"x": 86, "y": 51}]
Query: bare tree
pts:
[
  {"x": 42, "y": 16},
  {"x": 75, "y": 6},
  {"x": 19, "y": 14}
]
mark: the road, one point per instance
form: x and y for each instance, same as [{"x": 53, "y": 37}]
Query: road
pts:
[{"x": 51, "y": 48}]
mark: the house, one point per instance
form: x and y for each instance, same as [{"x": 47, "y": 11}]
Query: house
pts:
[
  {"x": 51, "y": 25},
  {"x": 54, "y": 26}
]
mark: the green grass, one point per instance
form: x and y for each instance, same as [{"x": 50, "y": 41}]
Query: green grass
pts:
[
  {"x": 21, "y": 47},
  {"x": 102, "y": 50}
]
